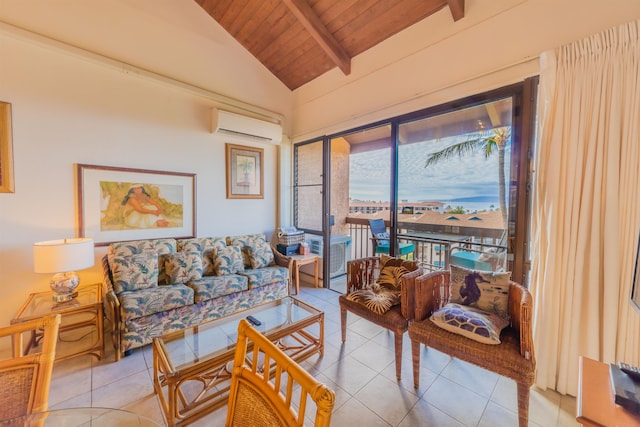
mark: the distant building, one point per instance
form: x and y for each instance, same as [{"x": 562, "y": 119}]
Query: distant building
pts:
[{"x": 356, "y": 206}]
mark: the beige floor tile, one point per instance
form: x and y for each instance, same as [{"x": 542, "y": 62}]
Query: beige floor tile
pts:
[
  {"x": 364, "y": 327},
  {"x": 456, "y": 401},
  {"x": 121, "y": 393},
  {"x": 354, "y": 413},
  {"x": 470, "y": 376},
  {"x": 149, "y": 406},
  {"x": 374, "y": 355},
  {"x": 350, "y": 374},
  {"x": 361, "y": 372},
  {"x": 425, "y": 414},
  {"x": 387, "y": 399},
  {"x": 108, "y": 370}
]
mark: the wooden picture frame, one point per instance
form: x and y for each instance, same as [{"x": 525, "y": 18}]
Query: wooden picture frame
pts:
[
  {"x": 245, "y": 172},
  {"x": 6, "y": 149},
  {"x": 118, "y": 204}
]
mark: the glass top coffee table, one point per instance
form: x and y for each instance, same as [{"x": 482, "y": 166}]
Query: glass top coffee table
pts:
[{"x": 192, "y": 367}]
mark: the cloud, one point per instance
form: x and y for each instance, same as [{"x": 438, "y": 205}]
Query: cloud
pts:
[{"x": 470, "y": 175}]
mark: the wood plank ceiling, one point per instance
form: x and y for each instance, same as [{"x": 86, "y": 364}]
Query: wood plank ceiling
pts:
[{"x": 299, "y": 40}]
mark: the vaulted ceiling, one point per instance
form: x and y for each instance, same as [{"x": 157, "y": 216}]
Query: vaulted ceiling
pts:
[{"x": 299, "y": 40}]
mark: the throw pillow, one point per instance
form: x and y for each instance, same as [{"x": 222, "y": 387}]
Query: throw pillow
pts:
[
  {"x": 470, "y": 322},
  {"x": 228, "y": 260},
  {"x": 485, "y": 290},
  {"x": 183, "y": 267},
  {"x": 133, "y": 272},
  {"x": 260, "y": 254},
  {"x": 376, "y": 298},
  {"x": 206, "y": 246},
  {"x": 392, "y": 271}
]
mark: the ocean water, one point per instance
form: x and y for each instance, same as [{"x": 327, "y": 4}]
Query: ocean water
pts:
[{"x": 474, "y": 206}]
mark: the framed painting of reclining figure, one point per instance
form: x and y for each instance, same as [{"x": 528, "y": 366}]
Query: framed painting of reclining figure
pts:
[{"x": 116, "y": 204}]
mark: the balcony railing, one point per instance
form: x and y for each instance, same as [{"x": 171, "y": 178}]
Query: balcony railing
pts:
[{"x": 432, "y": 250}]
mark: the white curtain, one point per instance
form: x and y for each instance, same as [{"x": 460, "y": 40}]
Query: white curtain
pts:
[{"x": 586, "y": 208}]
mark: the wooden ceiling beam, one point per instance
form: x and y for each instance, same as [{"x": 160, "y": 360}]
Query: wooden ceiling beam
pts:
[
  {"x": 457, "y": 9},
  {"x": 307, "y": 17}
]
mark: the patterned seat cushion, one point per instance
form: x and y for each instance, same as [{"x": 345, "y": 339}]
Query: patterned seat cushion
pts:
[
  {"x": 485, "y": 290},
  {"x": 244, "y": 242},
  {"x": 206, "y": 247},
  {"x": 260, "y": 254},
  {"x": 228, "y": 261},
  {"x": 481, "y": 326},
  {"x": 134, "y": 272},
  {"x": 217, "y": 286},
  {"x": 183, "y": 267},
  {"x": 266, "y": 276},
  {"x": 154, "y": 300},
  {"x": 162, "y": 247}
]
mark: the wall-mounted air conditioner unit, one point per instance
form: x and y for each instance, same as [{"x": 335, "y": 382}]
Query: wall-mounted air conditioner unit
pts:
[{"x": 237, "y": 125}]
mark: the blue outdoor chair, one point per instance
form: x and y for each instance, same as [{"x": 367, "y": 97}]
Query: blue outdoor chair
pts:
[{"x": 381, "y": 240}]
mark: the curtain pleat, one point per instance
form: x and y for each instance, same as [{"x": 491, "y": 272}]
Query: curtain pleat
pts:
[{"x": 586, "y": 205}]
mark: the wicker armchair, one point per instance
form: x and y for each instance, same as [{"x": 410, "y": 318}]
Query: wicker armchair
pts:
[
  {"x": 261, "y": 393},
  {"x": 513, "y": 358},
  {"x": 25, "y": 378},
  {"x": 362, "y": 272}
]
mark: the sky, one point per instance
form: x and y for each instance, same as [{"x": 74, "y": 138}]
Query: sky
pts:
[{"x": 469, "y": 176}]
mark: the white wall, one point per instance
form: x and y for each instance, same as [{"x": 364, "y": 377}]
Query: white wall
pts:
[{"x": 70, "y": 109}]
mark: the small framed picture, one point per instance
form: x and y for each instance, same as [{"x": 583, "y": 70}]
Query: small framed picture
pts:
[
  {"x": 245, "y": 172},
  {"x": 116, "y": 204}
]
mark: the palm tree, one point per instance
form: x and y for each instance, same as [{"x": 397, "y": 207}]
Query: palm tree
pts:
[{"x": 497, "y": 141}]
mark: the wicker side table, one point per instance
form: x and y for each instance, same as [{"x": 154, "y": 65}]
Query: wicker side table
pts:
[{"x": 81, "y": 331}]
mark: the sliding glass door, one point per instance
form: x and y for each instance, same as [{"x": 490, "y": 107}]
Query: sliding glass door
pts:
[
  {"x": 454, "y": 170},
  {"x": 449, "y": 183}
]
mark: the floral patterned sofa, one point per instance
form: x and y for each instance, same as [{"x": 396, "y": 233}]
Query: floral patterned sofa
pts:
[{"x": 162, "y": 285}]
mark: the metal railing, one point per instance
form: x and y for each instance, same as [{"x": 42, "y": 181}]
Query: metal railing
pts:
[{"x": 433, "y": 251}]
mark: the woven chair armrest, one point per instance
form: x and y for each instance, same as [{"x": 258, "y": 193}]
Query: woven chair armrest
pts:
[
  {"x": 431, "y": 293},
  {"x": 281, "y": 259},
  {"x": 520, "y": 311},
  {"x": 361, "y": 272},
  {"x": 408, "y": 292}
]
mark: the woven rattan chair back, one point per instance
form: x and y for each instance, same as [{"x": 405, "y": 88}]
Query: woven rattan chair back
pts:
[
  {"x": 262, "y": 393},
  {"x": 364, "y": 272},
  {"x": 513, "y": 358},
  {"x": 25, "y": 378}
]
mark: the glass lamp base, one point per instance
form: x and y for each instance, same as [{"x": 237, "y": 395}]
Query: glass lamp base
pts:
[{"x": 64, "y": 285}]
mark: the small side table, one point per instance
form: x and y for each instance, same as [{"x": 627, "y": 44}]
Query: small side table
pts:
[
  {"x": 595, "y": 402},
  {"x": 300, "y": 260},
  {"x": 83, "y": 315}
]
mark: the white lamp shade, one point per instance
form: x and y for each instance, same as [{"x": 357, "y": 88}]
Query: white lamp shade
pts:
[{"x": 61, "y": 256}]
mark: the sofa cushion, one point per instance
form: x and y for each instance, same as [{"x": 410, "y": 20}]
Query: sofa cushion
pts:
[
  {"x": 260, "y": 254},
  {"x": 206, "y": 246},
  {"x": 244, "y": 241},
  {"x": 391, "y": 272},
  {"x": 133, "y": 272},
  {"x": 470, "y": 322},
  {"x": 154, "y": 300},
  {"x": 376, "y": 298},
  {"x": 266, "y": 276},
  {"x": 485, "y": 290},
  {"x": 228, "y": 261},
  {"x": 217, "y": 286},
  {"x": 160, "y": 246},
  {"x": 183, "y": 267}
]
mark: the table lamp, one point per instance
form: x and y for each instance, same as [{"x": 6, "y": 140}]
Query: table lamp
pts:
[{"x": 63, "y": 257}]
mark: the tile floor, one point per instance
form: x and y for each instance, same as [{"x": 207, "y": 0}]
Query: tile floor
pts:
[{"x": 361, "y": 372}]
